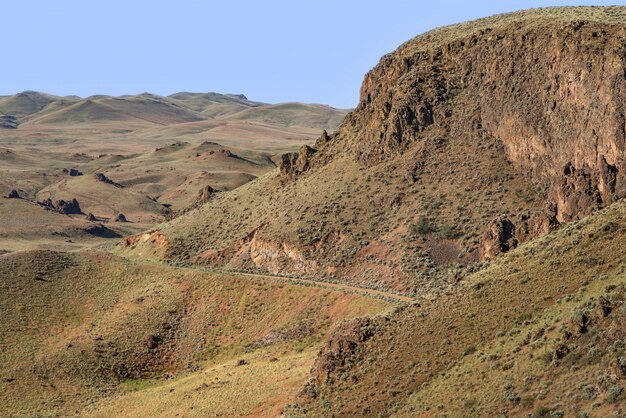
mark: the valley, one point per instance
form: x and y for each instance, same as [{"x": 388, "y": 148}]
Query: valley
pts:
[{"x": 454, "y": 246}]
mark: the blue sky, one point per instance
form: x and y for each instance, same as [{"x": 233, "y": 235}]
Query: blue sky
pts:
[{"x": 273, "y": 51}]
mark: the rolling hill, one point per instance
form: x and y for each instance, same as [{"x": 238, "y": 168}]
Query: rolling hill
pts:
[
  {"x": 455, "y": 248},
  {"x": 167, "y": 153}
]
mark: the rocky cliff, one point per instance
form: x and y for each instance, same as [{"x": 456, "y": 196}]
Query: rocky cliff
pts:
[
  {"x": 551, "y": 90},
  {"x": 466, "y": 142}
]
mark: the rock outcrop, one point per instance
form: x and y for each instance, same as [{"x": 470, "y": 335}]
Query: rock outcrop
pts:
[
  {"x": 553, "y": 93},
  {"x": 294, "y": 163},
  {"x": 8, "y": 122},
  {"x": 66, "y": 207},
  {"x": 498, "y": 238},
  {"x": 72, "y": 172},
  {"x": 205, "y": 194},
  {"x": 341, "y": 347},
  {"x": 104, "y": 179},
  {"x": 13, "y": 194},
  {"x": 120, "y": 217}
]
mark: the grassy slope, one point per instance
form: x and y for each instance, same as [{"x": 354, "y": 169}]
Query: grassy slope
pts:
[
  {"x": 487, "y": 345},
  {"x": 75, "y": 329},
  {"x": 365, "y": 217},
  {"x": 288, "y": 114}
]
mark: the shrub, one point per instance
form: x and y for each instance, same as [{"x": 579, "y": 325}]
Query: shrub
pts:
[
  {"x": 614, "y": 393},
  {"x": 424, "y": 226}
]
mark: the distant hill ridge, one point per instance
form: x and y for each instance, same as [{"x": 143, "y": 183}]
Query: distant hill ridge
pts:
[{"x": 35, "y": 108}]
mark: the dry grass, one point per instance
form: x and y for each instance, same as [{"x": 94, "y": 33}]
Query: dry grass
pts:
[
  {"x": 76, "y": 328},
  {"x": 457, "y": 354}
]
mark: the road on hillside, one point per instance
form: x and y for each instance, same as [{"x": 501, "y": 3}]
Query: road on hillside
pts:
[{"x": 342, "y": 287}]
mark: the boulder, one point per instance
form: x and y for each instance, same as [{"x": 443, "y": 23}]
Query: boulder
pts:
[
  {"x": 120, "y": 217},
  {"x": 13, "y": 194},
  {"x": 498, "y": 238}
]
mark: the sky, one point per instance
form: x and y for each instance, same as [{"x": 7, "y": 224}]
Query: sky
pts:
[{"x": 271, "y": 51}]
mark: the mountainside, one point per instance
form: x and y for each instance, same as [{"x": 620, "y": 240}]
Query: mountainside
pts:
[
  {"x": 466, "y": 142},
  {"x": 538, "y": 333},
  {"x": 82, "y": 332}
]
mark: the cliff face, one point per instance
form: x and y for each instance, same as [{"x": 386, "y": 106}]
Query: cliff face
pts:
[{"x": 553, "y": 92}]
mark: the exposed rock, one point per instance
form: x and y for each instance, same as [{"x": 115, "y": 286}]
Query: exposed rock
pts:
[
  {"x": 104, "y": 179},
  {"x": 205, "y": 194},
  {"x": 120, "y": 217},
  {"x": 13, "y": 194},
  {"x": 153, "y": 341},
  {"x": 8, "y": 122},
  {"x": 222, "y": 153},
  {"x": 341, "y": 347},
  {"x": 498, "y": 238},
  {"x": 70, "y": 207},
  {"x": 72, "y": 172},
  {"x": 323, "y": 139},
  {"x": 66, "y": 207},
  {"x": 567, "y": 111},
  {"x": 293, "y": 163},
  {"x": 91, "y": 217}
]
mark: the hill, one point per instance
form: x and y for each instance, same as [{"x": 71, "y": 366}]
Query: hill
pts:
[
  {"x": 167, "y": 153},
  {"x": 465, "y": 143},
  {"x": 25, "y": 103},
  {"x": 145, "y": 107},
  {"x": 214, "y": 104},
  {"x": 288, "y": 114},
  {"x": 455, "y": 248},
  {"x": 534, "y": 334},
  {"x": 84, "y": 333}
]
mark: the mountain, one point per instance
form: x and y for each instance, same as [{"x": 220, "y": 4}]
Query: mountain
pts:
[
  {"x": 465, "y": 143},
  {"x": 455, "y": 248}
]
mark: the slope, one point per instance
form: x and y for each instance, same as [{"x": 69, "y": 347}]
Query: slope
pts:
[
  {"x": 288, "y": 114},
  {"x": 84, "y": 331},
  {"x": 535, "y": 332},
  {"x": 215, "y": 105}
]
